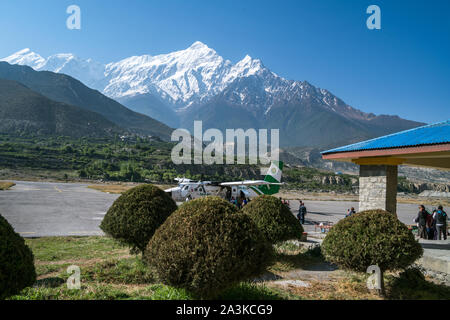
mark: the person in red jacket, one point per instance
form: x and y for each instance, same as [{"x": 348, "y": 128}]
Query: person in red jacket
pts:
[{"x": 431, "y": 226}]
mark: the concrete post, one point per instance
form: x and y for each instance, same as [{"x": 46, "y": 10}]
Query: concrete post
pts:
[{"x": 378, "y": 187}]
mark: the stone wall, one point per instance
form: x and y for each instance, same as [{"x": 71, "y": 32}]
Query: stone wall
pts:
[{"x": 378, "y": 187}]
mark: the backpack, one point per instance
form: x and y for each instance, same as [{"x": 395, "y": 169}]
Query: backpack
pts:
[{"x": 441, "y": 216}]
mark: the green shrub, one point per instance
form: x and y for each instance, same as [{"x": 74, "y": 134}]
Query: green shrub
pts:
[
  {"x": 136, "y": 214},
  {"x": 207, "y": 246},
  {"x": 373, "y": 237},
  {"x": 16, "y": 261},
  {"x": 274, "y": 219}
]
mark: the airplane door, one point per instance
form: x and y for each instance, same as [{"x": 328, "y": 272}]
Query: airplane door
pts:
[
  {"x": 234, "y": 192},
  {"x": 184, "y": 191}
]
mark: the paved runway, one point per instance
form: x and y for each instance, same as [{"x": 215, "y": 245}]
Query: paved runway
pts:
[
  {"x": 37, "y": 209},
  {"x": 333, "y": 211}
]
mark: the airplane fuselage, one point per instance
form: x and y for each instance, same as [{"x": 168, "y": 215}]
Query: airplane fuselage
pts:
[{"x": 193, "y": 191}]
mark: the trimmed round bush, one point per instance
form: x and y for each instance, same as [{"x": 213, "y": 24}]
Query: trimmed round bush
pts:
[
  {"x": 206, "y": 246},
  {"x": 136, "y": 214},
  {"x": 274, "y": 219},
  {"x": 373, "y": 237},
  {"x": 16, "y": 262}
]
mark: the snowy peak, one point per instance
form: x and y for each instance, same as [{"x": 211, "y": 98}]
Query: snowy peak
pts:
[
  {"x": 179, "y": 78},
  {"x": 249, "y": 66},
  {"x": 198, "y": 45},
  {"x": 87, "y": 71},
  {"x": 186, "y": 77},
  {"x": 25, "y": 57}
]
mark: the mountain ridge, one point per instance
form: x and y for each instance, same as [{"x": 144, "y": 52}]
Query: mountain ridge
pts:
[
  {"x": 198, "y": 84},
  {"x": 65, "y": 89},
  {"x": 23, "y": 111}
]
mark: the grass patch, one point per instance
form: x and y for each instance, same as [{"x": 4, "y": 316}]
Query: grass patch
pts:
[
  {"x": 5, "y": 185},
  {"x": 48, "y": 269},
  {"x": 163, "y": 292},
  {"x": 87, "y": 292},
  {"x": 108, "y": 272},
  {"x": 124, "y": 271},
  {"x": 62, "y": 249},
  {"x": 252, "y": 291},
  {"x": 112, "y": 188}
]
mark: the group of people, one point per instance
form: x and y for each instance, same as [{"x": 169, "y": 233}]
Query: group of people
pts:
[
  {"x": 350, "y": 212},
  {"x": 284, "y": 201},
  {"x": 240, "y": 202},
  {"x": 432, "y": 226}
]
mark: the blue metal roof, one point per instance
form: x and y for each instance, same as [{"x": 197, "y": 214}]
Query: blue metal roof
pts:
[{"x": 437, "y": 133}]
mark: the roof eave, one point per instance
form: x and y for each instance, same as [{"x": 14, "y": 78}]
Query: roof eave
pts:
[{"x": 355, "y": 154}]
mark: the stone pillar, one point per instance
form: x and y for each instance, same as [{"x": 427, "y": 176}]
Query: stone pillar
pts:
[{"x": 378, "y": 187}]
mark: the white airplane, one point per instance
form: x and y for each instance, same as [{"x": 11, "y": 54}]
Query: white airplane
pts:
[{"x": 188, "y": 189}]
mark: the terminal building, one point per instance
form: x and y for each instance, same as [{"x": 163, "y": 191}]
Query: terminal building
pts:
[{"x": 427, "y": 146}]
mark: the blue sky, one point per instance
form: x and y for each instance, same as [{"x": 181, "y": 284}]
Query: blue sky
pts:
[{"x": 402, "y": 69}]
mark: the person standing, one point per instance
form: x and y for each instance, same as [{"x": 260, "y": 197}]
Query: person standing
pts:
[
  {"x": 431, "y": 226},
  {"x": 298, "y": 214},
  {"x": 440, "y": 216},
  {"x": 302, "y": 212},
  {"x": 422, "y": 221}
]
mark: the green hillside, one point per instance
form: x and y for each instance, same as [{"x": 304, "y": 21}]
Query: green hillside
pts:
[
  {"x": 25, "y": 112},
  {"x": 63, "y": 88}
]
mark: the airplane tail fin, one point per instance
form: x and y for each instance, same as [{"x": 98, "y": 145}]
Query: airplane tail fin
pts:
[{"x": 273, "y": 175}]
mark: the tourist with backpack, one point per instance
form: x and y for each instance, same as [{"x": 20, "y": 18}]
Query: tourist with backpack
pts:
[{"x": 440, "y": 216}]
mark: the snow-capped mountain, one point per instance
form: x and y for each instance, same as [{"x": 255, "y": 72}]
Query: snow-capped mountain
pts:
[
  {"x": 197, "y": 83},
  {"x": 179, "y": 78},
  {"x": 87, "y": 71},
  {"x": 27, "y": 58}
]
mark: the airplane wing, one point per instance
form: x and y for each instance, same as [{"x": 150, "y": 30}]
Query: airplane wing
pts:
[
  {"x": 182, "y": 180},
  {"x": 249, "y": 183}
]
